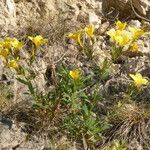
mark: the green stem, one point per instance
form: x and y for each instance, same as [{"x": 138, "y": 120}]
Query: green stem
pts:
[{"x": 33, "y": 53}]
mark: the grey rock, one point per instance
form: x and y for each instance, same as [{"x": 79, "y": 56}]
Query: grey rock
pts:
[
  {"x": 6, "y": 122},
  {"x": 124, "y": 8}
]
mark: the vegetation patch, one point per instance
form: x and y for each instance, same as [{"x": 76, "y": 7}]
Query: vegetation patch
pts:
[{"x": 76, "y": 105}]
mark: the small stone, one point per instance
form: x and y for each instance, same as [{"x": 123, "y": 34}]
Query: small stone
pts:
[
  {"x": 124, "y": 7},
  {"x": 102, "y": 29},
  {"x": 135, "y": 23},
  {"x": 6, "y": 122},
  {"x": 144, "y": 46},
  {"x": 94, "y": 19}
]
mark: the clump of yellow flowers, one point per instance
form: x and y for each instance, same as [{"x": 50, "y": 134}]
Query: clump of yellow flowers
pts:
[
  {"x": 10, "y": 50},
  {"x": 85, "y": 39},
  {"x": 118, "y": 36},
  {"x": 121, "y": 37},
  {"x": 10, "y": 46},
  {"x": 89, "y": 31}
]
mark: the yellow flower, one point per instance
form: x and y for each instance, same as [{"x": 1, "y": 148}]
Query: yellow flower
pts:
[
  {"x": 118, "y": 37},
  {"x": 13, "y": 64},
  {"x": 138, "y": 79},
  {"x": 134, "y": 47},
  {"x": 89, "y": 30},
  {"x": 4, "y": 53},
  {"x": 136, "y": 32},
  {"x": 113, "y": 33},
  {"x": 38, "y": 40},
  {"x": 16, "y": 44},
  {"x": 7, "y": 43},
  {"x": 1, "y": 44},
  {"x": 122, "y": 40},
  {"x": 76, "y": 36},
  {"x": 120, "y": 25},
  {"x": 75, "y": 74}
]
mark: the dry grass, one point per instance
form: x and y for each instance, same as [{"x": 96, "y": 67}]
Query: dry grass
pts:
[
  {"x": 64, "y": 144},
  {"x": 131, "y": 122},
  {"x": 5, "y": 98},
  {"x": 38, "y": 122}
]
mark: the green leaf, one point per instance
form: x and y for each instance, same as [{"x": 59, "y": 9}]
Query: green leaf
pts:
[
  {"x": 31, "y": 88},
  {"x": 84, "y": 96},
  {"x": 105, "y": 71},
  {"x": 22, "y": 81},
  {"x": 85, "y": 109}
]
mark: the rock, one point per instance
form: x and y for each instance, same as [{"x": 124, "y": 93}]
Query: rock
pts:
[
  {"x": 143, "y": 6},
  {"x": 11, "y": 8},
  {"x": 137, "y": 64},
  {"x": 135, "y": 23},
  {"x": 95, "y": 20},
  {"x": 124, "y": 7},
  {"x": 7, "y": 13},
  {"x": 144, "y": 45},
  {"x": 102, "y": 29},
  {"x": 116, "y": 86},
  {"x": 101, "y": 52},
  {"x": 112, "y": 8},
  {"x": 6, "y": 122},
  {"x": 14, "y": 137},
  {"x": 135, "y": 145},
  {"x": 146, "y": 26},
  {"x": 21, "y": 14}
]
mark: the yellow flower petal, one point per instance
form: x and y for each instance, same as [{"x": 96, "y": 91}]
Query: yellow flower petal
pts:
[
  {"x": 38, "y": 40},
  {"x": 119, "y": 37},
  {"x": 89, "y": 30},
  {"x": 113, "y": 33},
  {"x": 7, "y": 43},
  {"x": 138, "y": 79},
  {"x": 134, "y": 47},
  {"x": 16, "y": 44},
  {"x": 1, "y": 44},
  {"x": 13, "y": 64},
  {"x": 120, "y": 25},
  {"x": 4, "y": 53},
  {"x": 77, "y": 37},
  {"x": 75, "y": 74},
  {"x": 122, "y": 40},
  {"x": 136, "y": 32}
]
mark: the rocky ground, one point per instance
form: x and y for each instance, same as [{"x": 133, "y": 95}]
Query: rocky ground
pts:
[{"x": 53, "y": 19}]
